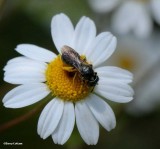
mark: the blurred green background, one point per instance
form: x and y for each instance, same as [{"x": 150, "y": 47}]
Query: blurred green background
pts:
[{"x": 28, "y": 21}]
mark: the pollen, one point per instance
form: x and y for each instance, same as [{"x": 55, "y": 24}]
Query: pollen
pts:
[{"x": 65, "y": 84}]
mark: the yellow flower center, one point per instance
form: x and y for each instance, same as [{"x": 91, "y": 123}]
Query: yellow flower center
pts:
[
  {"x": 126, "y": 62},
  {"x": 65, "y": 84}
]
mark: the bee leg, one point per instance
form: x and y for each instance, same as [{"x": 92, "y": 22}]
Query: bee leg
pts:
[
  {"x": 92, "y": 89},
  {"x": 69, "y": 68},
  {"x": 83, "y": 79},
  {"x": 83, "y": 58},
  {"x": 74, "y": 77}
]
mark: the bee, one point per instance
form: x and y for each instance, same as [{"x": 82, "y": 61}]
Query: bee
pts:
[{"x": 73, "y": 59}]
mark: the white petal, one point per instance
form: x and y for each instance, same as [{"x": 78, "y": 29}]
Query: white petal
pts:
[
  {"x": 25, "y": 95},
  {"x": 143, "y": 25},
  {"x": 155, "y": 5},
  {"x": 103, "y": 6},
  {"x": 24, "y": 77},
  {"x": 50, "y": 117},
  {"x": 19, "y": 64},
  {"x": 102, "y": 48},
  {"x": 147, "y": 95},
  {"x": 114, "y": 73},
  {"x": 85, "y": 32},
  {"x": 62, "y": 31},
  {"x": 102, "y": 112},
  {"x": 126, "y": 20},
  {"x": 66, "y": 124},
  {"x": 35, "y": 52},
  {"x": 17, "y": 59},
  {"x": 24, "y": 72},
  {"x": 86, "y": 123},
  {"x": 115, "y": 91}
]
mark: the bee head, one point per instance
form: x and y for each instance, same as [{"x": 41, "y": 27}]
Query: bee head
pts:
[{"x": 87, "y": 70}]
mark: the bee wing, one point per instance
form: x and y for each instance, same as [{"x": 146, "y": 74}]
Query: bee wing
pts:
[{"x": 71, "y": 57}]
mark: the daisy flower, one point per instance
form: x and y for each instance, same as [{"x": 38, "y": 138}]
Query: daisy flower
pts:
[
  {"x": 136, "y": 16},
  {"x": 141, "y": 58},
  {"x": 131, "y": 15},
  {"x": 40, "y": 72},
  {"x": 103, "y": 6}
]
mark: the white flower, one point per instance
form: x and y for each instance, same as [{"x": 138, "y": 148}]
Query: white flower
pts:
[
  {"x": 141, "y": 58},
  {"x": 147, "y": 78},
  {"x": 155, "y": 5},
  {"x": 103, "y": 6},
  {"x": 40, "y": 72},
  {"x": 136, "y": 16}
]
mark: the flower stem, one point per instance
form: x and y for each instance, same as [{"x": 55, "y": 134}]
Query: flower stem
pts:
[
  {"x": 24, "y": 117},
  {"x": 19, "y": 119}
]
